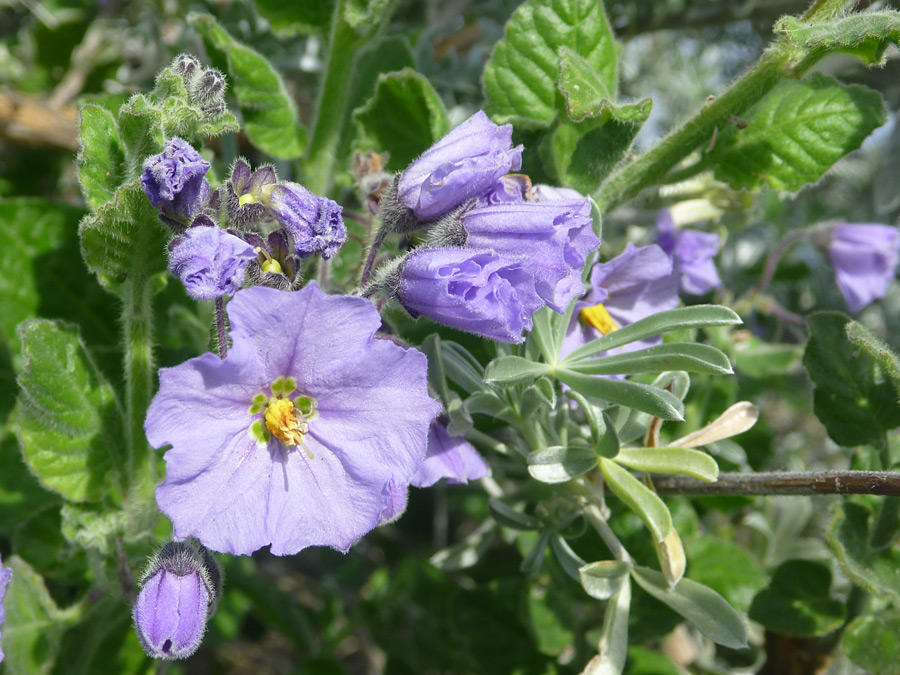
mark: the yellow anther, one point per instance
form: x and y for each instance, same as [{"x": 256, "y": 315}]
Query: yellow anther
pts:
[
  {"x": 283, "y": 423},
  {"x": 599, "y": 318},
  {"x": 248, "y": 198},
  {"x": 271, "y": 265}
]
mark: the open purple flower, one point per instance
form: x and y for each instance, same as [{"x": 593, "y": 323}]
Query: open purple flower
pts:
[
  {"x": 314, "y": 222},
  {"x": 210, "y": 262},
  {"x": 175, "y": 181},
  {"x": 293, "y": 438},
  {"x": 550, "y": 239},
  {"x": 5, "y": 574},
  {"x": 864, "y": 258},
  {"x": 692, "y": 252},
  {"x": 466, "y": 162},
  {"x": 449, "y": 457},
  {"x": 474, "y": 290},
  {"x": 635, "y": 284},
  {"x": 178, "y": 593}
]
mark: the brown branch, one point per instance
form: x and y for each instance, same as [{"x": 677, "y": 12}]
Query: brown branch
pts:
[
  {"x": 30, "y": 121},
  {"x": 810, "y": 483}
]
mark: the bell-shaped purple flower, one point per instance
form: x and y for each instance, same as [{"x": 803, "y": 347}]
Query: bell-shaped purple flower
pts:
[
  {"x": 175, "y": 181},
  {"x": 864, "y": 258},
  {"x": 633, "y": 285},
  {"x": 292, "y": 439},
  {"x": 210, "y": 262},
  {"x": 551, "y": 193},
  {"x": 477, "y": 291},
  {"x": 466, "y": 162},
  {"x": 314, "y": 222},
  {"x": 178, "y": 592},
  {"x": 692, "y": 252},
  {"x": 449, "y": 457},
  {"x": 550, "y": 239},
  {"x": 5, "y": 574}
]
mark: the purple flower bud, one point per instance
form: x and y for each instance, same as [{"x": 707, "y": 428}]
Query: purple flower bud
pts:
[
  {"x": 473, "y": 290},
  {"x": 550, "y": 239},
  {"x": 175, "y": 181},
  {"x": 314, "y": 222},
  {"x": 463, "y": 164},
  {"x": 178, "y": 592},
  {"x": 449, "y": 457},
  {"x": 5, "y": 574},
  {"x": 209, "y": 262},
  {"x": 692, "y": 253},
  {"x": 864, "y": 258}
]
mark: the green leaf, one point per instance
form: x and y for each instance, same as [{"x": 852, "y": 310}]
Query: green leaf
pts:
[
  {"x": 404, "y": 117},
  {"x": 559, "y": 464},
  {"x": 292, "y": 18},
  {"x": 848, "y": 538},
  {"x": 140, "y": 131},
  {"x": 795, "y": 133},
  {"x": 630, "y": 424},
  {"x": 685, "y": 356},
  {"x": 570, "y": 561},
  {"x": 124, "y": 239},
  {"x": 612, "y": 648},
  {"x": 520, "y": 79},
  {"x": 697, "y": 316},
  {"x": 644, "y": 397},
  {"x": 669, "y": 460},
  {"x": 33, "y": 626},
  {"x": 854, "y": 408},
  {"x": 96, "y": 526},
  {"x": 101, "y": 161},
  {"x": 366, "y": 17},
  {"x": 604, "y": 579},
  {"x": 69, "y": 422},
  {"x": 507, "y": 516},
  {"x": 798, "y": 601},
  {"x": 865, "y": 34},
  {"x": 509, "y": 370},
  {"x": 639, "y": 498},
  {"x": 878, "y": 349},
  {"x": 268, "y": 111},
  {"x": 461, "y": 367},
  {"x": 873, "y": 642},
  {"x": 726, "y": 568},
  {"x": 467, "y": 552},
  {"x": 756, "y": 358},
  {"x": 699, "y": 604}
]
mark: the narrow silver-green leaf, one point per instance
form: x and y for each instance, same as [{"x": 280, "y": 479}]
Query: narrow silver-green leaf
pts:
[
  {"x": 520, "y": 79},
  {"x": 69, "y": 422},
  {"x": 612, "y": 649},
  {"x": 461, "y": 367},
  {"x": 509, "y": 370},
  {"x": 559, "y": 464},
  {"x": 649, "y": 399},
  {"x": 570, "y": 561},
  {"x": 699, "y": 604},
  {"x": 690, "y": 357},
  {"x": 638, "y": 497},
  {"x": 697, "y": 316},
  {"x": 669, "y": 460},
  {"x": 604, "y": 579},
  {"x": 467, "y": 552},
  {"x": 507, "y": 516}
]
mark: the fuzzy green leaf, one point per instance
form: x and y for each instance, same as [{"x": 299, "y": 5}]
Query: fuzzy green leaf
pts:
[
  {"x": 682, "y": 461},
  {"x": 140, "y": 132},
  {"x": 559, "y": 464},
  {"x": 404, "y": 117},
  {"x": 366, "y": 17},
  {"x": 509, "y": 370},
  {"x": 878, "y": 349},
  {"x": 268, "y": 111},
  {"x": 101, "y": 161},
  {"x": 865, "y": 34},
  {"x": 520, "y": 79},
  {"x": 796, "y": 133},
  {"x": 292, "y": 18},
  {"x": 69, "y": 423},
  {"x": 873, "y": 642}
]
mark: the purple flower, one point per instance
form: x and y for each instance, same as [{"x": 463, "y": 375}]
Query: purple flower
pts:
[
  {"x": 477, "y": 291},
  {"x": 549, "y": 193},
  {"x": 210, "y": 262},
  {"x": 449, "y": 457},
  {"x": 314, "y": 223},
  {"x": 245, "y": 190},
  {"x": 293, "y": 438},
  {"x": 396, "y": 494},
  {"x": 635, "y": 284},
  {"x": 550, "y": 239},
  {"x": 175, "y": 181},
  {"x": 466, "y": 162},
  {"x": 864, "y": 258},
  {"x": 5, "y": 574},
  {"x": 692, "y": 252},
  {"x": 177, "y": 595},
  {"x": 513, "y": 188}
]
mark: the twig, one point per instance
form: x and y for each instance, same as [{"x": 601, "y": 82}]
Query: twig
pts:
[{"x": 786, "y": 483}]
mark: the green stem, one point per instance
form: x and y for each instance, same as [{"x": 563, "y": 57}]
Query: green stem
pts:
[
  {"x": 779, "y": 61},
  {"x": 137, "y": 321},
  {"x": 332, "y": 103}
]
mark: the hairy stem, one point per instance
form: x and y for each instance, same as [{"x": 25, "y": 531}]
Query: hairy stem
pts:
[
  {"x": 221, "y": 336},
  {"x": 786, "y": 483},
  {"x": 137, "y": 322}
]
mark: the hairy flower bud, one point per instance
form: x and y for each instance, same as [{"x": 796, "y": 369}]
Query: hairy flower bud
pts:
[
  {"x": 179, "y": 591},
  {"x": 207, "y": 89},
  {"x": 210, "y": 262},
  {"x": 187, "y": 67},
  {"x": 175, "y": 182}
]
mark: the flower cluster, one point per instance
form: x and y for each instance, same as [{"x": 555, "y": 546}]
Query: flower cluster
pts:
[{"x": 493, "y": 252}]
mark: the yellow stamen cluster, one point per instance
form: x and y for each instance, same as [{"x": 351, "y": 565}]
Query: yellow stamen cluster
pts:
[
  {"x": 282, "y": 421},
  {"x": 257, "y": 197},
  {"x": 599, "y": 318}
]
